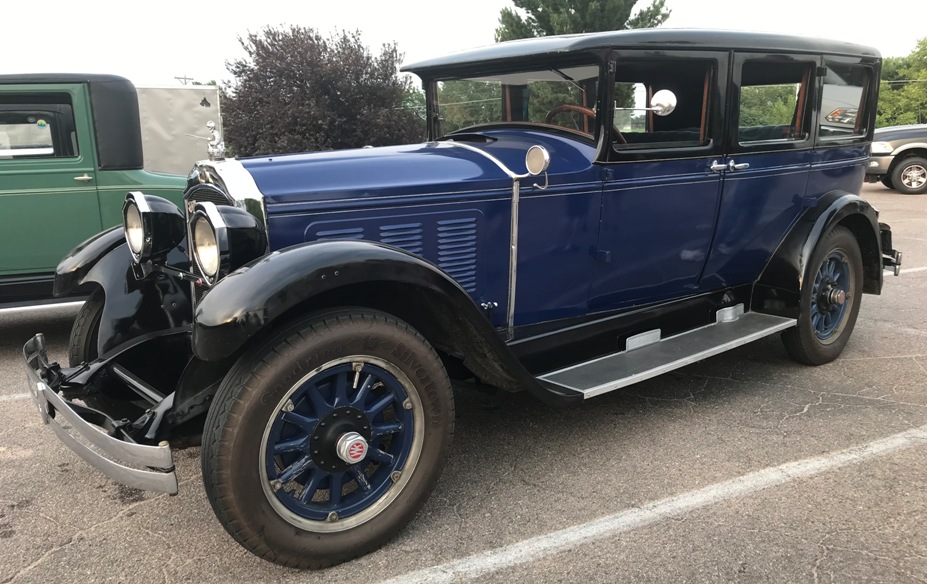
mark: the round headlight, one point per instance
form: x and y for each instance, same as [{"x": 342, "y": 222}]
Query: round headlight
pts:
[
  {"x": 205, "y": 247},
  {"x": 135, "y": 233}
]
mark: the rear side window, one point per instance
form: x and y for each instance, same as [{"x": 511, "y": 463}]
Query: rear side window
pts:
[
  {"x": 842, "y": 100},
  {"x": 41, "y": 127},
  {"x": 773, "y": 103}
]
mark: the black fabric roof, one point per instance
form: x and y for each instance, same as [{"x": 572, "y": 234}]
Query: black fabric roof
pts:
[{"x": 653, "y": 38}]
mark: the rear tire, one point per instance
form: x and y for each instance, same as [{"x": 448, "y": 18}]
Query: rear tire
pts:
[
  {"x": 353, "y": 402},
  {"x": 830, "y": 299},
  {"x": 910, "y": 176}
]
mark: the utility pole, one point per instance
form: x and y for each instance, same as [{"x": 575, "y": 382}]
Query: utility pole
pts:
[{"x": 184, "y": 80}]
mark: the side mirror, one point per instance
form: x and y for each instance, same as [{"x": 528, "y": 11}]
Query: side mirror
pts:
[
  {"x": 663, "y": 102},
  {"x": 537, "y": 159}
]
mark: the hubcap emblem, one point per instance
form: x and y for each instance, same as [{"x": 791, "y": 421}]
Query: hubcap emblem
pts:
[{"x": 351, "y": 447}]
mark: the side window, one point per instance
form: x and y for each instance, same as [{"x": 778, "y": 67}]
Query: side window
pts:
[
  {"x": 636, "y": 82},
  {"x": 842, "y": 101},
  {"x": 773, "y": 104},
  {"x": 37, "y": 127}
]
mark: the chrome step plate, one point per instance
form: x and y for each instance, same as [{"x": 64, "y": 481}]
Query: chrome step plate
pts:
[{"x": 619, "y": 370}]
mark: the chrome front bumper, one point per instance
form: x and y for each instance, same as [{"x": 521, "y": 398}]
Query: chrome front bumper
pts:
[{"x": 156, "y": 462}]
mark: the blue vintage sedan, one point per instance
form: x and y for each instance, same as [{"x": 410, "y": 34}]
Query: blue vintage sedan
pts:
[{"x": 589, "y": 211}]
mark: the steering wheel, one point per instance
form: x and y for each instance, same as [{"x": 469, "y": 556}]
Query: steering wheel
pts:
[{"x": 588, "y": 112}]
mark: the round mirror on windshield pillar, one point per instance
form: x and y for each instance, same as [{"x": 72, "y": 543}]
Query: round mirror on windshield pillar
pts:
[
  {"x": 537, "y": 160},
  {"x": 663, "y": 102}
]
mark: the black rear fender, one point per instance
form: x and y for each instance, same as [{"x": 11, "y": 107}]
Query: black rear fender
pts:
[{"x": 778, "y": 289}]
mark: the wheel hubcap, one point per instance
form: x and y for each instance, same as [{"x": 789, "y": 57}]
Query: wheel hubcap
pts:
[
  {"x": 351, "y": 447},
  {"x": 914, "y": 176},
  {"x": 342, "y": 444}
]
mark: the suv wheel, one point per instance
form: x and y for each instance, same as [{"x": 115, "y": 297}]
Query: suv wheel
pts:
[
  {"x": 910, "y": 176},
  {"x": 323, "y": 441}
]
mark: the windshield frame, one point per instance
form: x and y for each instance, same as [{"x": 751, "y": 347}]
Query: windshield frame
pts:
[{"x": 510, "y": 67}]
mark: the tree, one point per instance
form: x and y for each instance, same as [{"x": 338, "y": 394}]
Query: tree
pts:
[
  {"x": 297, "y": 91},
  {"x": 551, "y": 17},
  {"x": 903, "y": 92}
]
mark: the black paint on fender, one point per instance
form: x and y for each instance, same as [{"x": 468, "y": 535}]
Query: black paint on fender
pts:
[
  {"x": 778, "y": 289},
  {"x": 133, "y": 307},
  {"x": 327, "y": 273}
]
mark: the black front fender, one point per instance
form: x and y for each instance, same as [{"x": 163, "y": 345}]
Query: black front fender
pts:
[
  {"x": 778, "y": 289},
  {"x": 73, "y": 269},
  {"x": 133, "y": 307},
  {"x": 252, "y": 298}
]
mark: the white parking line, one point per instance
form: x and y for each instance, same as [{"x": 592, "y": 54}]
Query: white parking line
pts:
[
  {"x": 14, "y": 397},
  {"x": 910, "y": 270},
  {"x": 477, "y": 565}
]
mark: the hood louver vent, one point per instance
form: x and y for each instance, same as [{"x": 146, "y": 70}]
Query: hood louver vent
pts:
[
  {"x": 457, "y": 250},
  {"x": 408, "y": 236}
]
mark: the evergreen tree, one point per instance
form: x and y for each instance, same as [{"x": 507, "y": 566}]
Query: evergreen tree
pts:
[{"x": 552, "y": 17}]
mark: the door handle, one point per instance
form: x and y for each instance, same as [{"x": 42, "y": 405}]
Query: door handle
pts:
[
  {"x": 84, "y": 178},
  {"x": 741, "y": 166},
  {"x": 717, "y": 166}
]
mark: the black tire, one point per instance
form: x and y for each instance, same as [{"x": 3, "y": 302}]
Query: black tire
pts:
[
  {"x": 817, "y": 340},
  {"x": 270, "y": 381},
  {"x": 910, "y": 176},
  {"x": 887, "y": 181},
  {"x": 110, "y": 398},
  {"x": 82, "y": 344}
]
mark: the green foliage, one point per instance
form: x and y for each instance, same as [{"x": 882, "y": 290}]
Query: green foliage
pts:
[
  {"x": 903, "y": 91},
  {"x": 297, "y": 91},
  {"x": 466, "y": 103},
  {"x": 552, "y": 17},
  {"x": 767, "y": 105}
]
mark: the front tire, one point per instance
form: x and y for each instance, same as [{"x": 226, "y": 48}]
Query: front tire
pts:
[
  {"x": 910, "y": 176},
  {"x": 830, "y": 299},
  {"x": 82, "y": 344},
  {"x": 327, "y": 438}
]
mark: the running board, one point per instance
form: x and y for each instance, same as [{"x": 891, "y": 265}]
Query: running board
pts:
[{"x": 648, "y": 355}]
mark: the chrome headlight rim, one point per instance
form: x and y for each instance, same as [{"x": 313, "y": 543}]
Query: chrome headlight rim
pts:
[
  {"x": 136, "y": 204},
  {"x": 208, "y": 213}
]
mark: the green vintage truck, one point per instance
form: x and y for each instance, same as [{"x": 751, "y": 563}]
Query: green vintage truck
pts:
[{"x": 71, "y": 147}]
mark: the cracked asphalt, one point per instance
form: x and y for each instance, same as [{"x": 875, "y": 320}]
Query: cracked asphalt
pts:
[{"x": 520, "y": 470}]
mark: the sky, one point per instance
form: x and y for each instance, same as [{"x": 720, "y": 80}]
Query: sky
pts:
[{"x": 181, "y": 38}]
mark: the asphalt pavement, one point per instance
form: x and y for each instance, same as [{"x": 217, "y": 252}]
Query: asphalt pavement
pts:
[{"x": 745, "y": 467}]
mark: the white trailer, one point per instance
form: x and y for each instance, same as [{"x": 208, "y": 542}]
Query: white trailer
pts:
[{"x": 173, "y": 122}]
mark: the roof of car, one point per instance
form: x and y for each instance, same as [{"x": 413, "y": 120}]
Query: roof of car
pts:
[
  {"x": 640, "y": 38},
  {"x": 33, "y": 78},
  {"x": 115, "y": 119}
]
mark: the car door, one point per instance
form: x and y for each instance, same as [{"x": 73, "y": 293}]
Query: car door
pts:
[
  {"x": 660, "y": 197},
  {"x": 768, "y": 157},
  {"x": 48, "y": 194}
]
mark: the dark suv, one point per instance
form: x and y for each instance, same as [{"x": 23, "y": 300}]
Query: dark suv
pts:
[
  {"x": 589, "y": 211},
  {"x": 899, "y": 158}
]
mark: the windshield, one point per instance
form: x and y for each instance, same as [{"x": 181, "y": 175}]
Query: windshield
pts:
[{"x": 562, "y": 97}]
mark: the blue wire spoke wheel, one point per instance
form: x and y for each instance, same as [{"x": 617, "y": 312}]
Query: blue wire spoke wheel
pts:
[
  {"x": 830, "y": 299},
  {"x": 342, "y": 444},
  {"x": 830, "y": 295},
  {"x": 327, "y": 436}
]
